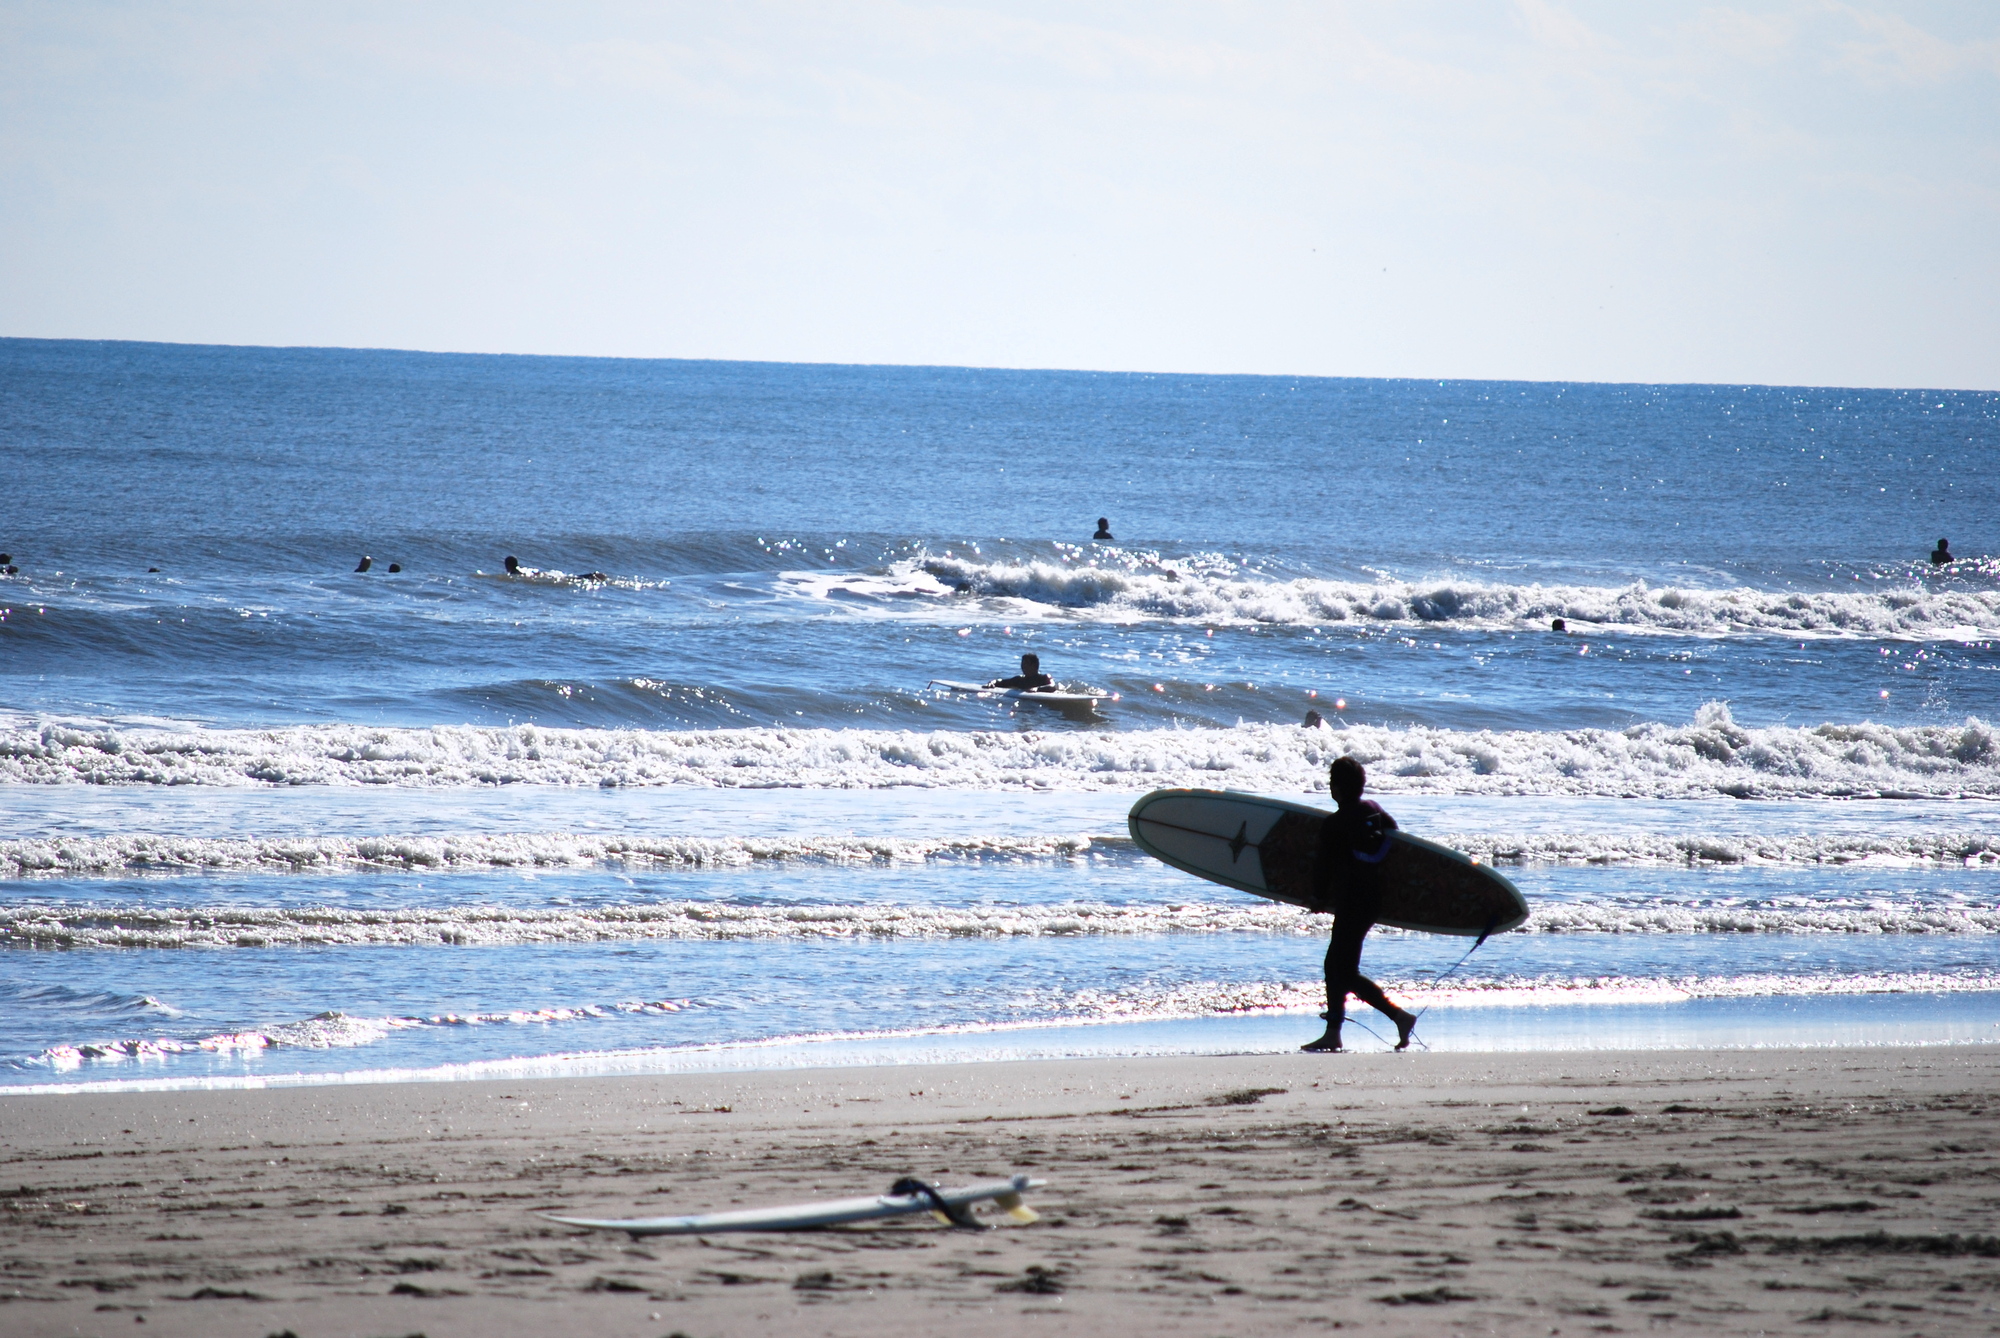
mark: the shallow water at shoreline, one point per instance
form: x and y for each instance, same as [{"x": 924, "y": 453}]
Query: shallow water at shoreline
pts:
[
  {"x": 1732, "y": 1024},
  {"x": 348, "y": 971}
]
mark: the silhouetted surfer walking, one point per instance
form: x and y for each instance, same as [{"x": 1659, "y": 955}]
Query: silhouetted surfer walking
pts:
[{"x": 1353, "y": 842}]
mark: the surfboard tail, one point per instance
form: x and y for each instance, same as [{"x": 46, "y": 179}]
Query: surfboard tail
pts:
[{"x": 1015, "y": 1207}]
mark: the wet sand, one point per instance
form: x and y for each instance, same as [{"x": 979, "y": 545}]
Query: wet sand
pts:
[{"x": 1809, "y": 1191}]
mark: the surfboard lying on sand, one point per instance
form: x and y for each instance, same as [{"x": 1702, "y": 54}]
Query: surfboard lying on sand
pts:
[
  {"x": 1269, "y": 847},
  {"x": 904, "y": 1197},
  {"x": 1016, "y": 694}
]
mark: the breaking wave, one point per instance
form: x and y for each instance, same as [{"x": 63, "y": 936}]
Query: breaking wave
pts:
[
  {"x": 1973, "y": 850},
  {"x": 44, "y": 926},
  {"x": 106, "y": 926},
  {"x": 470, "y": 852},
  {"x": 481, "y": 851},
  {"x": 1210, "y": 590},
  {"x": 1712, "y": 755}
]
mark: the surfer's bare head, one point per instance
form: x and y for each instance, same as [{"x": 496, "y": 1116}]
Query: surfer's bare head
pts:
[
  {"x": 1346, "y": 778},
  {"x": 1031, "y": 663},
  {"x": 513, "y": 565}
]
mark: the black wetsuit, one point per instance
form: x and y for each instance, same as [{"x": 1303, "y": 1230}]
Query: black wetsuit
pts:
[
  {"x": 1352, "y": 844},
  {"x": 1026, "y": 683}
]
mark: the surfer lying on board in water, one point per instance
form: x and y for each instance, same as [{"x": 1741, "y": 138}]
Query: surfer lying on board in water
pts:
[
  {"x": 1030, "y": 679},
  {"x": 1353, "y": 842}
]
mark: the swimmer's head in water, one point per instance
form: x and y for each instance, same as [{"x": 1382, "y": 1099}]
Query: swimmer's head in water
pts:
[
  {"x": 366, "y": 563},
  {"x": 1558, "y": 625},
  {"x": 1346, "y": 778},
  {"x": 513, "y": 565}
]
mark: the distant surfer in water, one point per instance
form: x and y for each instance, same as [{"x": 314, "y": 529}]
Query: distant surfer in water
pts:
[
  {"x": 1104, "y": 535},
  {"x": 1030, "y": 679},
  {"x": 1353, "y": 842},
  {"x": 1942, "y": 553},
  {"x": 366, "y": 563},
  {"x": 514, "y": 568}
]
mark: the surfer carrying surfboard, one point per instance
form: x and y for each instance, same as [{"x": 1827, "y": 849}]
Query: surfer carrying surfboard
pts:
[
  {"x": 1030, "y": 679},
  {"x": 1353, "y": 842}
]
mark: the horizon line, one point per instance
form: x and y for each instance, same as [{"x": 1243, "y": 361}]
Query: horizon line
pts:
[{"x": 967, "y": 367}]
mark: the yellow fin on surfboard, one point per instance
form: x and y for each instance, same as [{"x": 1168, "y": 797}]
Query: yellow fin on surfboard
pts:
[{"x": 1014, "y": 1207}]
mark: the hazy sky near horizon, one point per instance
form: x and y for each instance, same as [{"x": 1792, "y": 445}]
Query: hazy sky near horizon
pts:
[{"x": 1799, "y": 191}]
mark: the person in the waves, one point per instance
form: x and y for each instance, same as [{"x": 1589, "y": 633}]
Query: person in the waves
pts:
[
  {"x": 1030, "y": 679},
  {"x": 1353, "y": 842}
]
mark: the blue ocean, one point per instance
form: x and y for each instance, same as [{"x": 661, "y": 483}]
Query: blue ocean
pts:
[{"x": 301, "y": 781}]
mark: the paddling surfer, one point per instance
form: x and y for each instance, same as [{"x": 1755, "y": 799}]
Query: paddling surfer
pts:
[
  {"x": 1353, "y": 842},
  {"x": 1030, "y": 679}
]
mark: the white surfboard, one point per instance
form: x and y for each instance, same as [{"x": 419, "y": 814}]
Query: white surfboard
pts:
[
  {"x": 1017, "y": 694},
  {"x": 956, "y": 1208},
  {"x": 1271, "y": 847}
]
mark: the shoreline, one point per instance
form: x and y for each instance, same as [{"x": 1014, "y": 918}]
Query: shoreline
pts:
[
  {"x": 1917, "y": 1019},
  {"x": 1722, "y": 1191}
]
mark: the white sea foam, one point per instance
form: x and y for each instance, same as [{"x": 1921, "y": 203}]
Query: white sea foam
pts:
[
  {"x": 124, "y": 926},
  {"x": 1710, "y": 755},
  {"x": 73, "y": 926},
  {"x": 329, "y": 1031},
  {"x": 130, "y": 853},
  {"x": 1925, "y": 849},
  {"x": 1668, "y": 918},
  {"x": 1216, "y": 592},
  {"x": 75, "y": 856},
  {"x": 1213, "y": 999}
]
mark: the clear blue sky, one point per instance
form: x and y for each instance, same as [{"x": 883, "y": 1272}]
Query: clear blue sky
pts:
[{"x": 1795, "y": 192}]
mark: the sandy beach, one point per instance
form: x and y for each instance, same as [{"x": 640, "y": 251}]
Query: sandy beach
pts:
[{"x": 1725, "y": 1192}]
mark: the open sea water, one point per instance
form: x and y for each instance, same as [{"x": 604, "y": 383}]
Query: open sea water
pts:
[{"x": 681, "y": 794}]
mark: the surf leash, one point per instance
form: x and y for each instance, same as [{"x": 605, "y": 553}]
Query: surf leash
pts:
[
  {"x": 958, "y": 1215},
  {"x": 1477, "y": 944}
]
